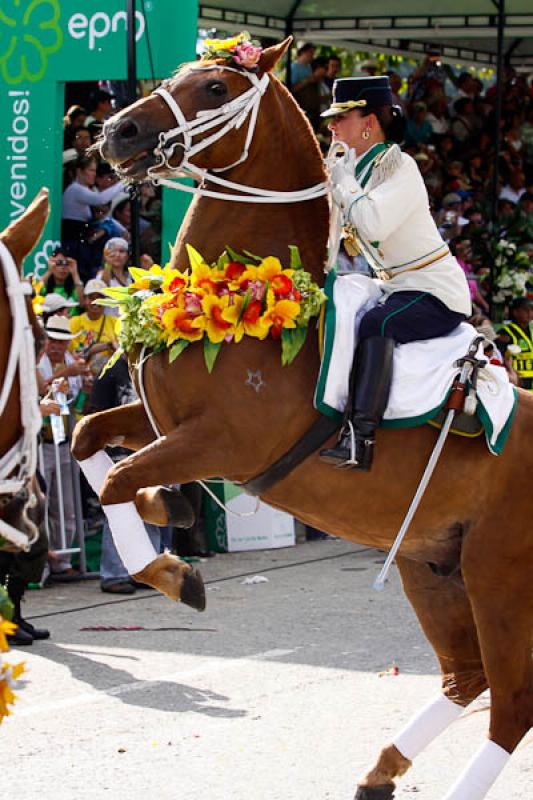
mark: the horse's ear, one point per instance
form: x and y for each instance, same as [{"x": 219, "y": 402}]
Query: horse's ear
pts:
[
  {"x": 23, "y": 234},
  {"x": 271, "y": 55}
]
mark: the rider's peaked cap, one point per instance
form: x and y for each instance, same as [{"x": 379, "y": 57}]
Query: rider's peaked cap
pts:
[{"x": 364, "y": 92}]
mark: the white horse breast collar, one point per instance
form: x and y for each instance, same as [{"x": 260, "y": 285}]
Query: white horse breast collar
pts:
[
  {"x": 18, "y": 465},
  {"x": 229, "y": 116}
]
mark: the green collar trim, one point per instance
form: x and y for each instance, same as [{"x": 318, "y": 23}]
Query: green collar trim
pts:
[{"x": 365, "y": 165}]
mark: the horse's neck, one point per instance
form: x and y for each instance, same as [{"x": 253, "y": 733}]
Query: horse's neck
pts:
[{"x": 284, "y": 156}]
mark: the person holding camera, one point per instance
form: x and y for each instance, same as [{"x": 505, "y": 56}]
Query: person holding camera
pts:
[{"x": 62, "y": 277}]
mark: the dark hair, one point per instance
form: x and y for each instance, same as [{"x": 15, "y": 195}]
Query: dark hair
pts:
[
  {"x": 99, "y": 96},
  {"x": 391, "y": 120},
  {"x": 319, "y": 62},
  {"x": 520, "y": 302},
  {"x": 460, "y": 104},
  {"x": 103, "y": 168},
  {"x": 304, "y": 48},
  {"x": 73, "y": 113},
  {"x": 69, "y": 286},
  {"x": 82, "y": 162}
]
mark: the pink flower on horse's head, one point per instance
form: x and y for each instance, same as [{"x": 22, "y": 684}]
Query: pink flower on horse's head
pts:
[{"x": 247, "y": 55}]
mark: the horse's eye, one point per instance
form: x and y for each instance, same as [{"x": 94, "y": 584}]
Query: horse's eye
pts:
[{"x": 216, "y": 88}]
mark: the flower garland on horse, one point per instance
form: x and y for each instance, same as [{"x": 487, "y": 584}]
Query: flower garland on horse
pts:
[{"x": 238, "y": 295}]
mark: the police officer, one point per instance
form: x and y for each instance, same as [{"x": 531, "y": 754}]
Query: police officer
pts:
[{"x": 519, "y": 332}]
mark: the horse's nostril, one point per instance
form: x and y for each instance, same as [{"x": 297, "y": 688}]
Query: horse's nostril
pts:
[{"x": 127, "y": 130}]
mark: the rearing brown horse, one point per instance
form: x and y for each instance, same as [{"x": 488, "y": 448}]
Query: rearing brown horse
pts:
[{"x": 466, "y": 564}]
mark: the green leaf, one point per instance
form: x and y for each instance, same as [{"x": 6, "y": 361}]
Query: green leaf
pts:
[
  {"x": 238, "y": 256},
  {"x": 222, "y": 261},
  {"x": 245, "y": 304},
  {"x": 252, "y": 255},
  {"x": 292, "y": 341},
  {"x": 107, "y": 302},
  {"x": 296, "y": 259},
  {"x": 118, "y": 292},
  {"x": 177, "y": 349},
  {"x": 195, "y": 259},
  {"x": 211, "y": 351},
  {"x": 111, "y": 361}
]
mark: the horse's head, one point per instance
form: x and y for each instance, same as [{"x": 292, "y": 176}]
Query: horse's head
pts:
[
  {"x": 19, "y": 414},
  {"x": 151, "y": 137}
]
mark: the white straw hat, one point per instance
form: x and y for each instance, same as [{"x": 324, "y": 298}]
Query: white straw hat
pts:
[{"x": 59, "y": 328}]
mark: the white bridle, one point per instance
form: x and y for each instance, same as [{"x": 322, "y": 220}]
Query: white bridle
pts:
[
  {"x": 18, "y": 465},
  {"x": 230, "y": 116}
]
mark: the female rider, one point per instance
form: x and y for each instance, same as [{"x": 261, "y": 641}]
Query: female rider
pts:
[{"x": 386, "y": 213}]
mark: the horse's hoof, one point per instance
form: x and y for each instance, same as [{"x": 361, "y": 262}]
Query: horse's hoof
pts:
[
  {"x": 385, "y": 792},
  {"x": 175, "y": 578},
  {"x": 193, "y": 590},
  {"x": 180, "y": 512},
  {"x": 162, "y": 506}
]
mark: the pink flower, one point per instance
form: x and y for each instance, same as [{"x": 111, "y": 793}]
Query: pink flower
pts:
[
  {"x": 193, "y": 303},
  {"x": 257, "y": 289},
  {"x": 247, "y": 55}
]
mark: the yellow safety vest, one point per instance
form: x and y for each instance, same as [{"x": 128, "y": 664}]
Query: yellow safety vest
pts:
[{"x": 523, "y": 362}]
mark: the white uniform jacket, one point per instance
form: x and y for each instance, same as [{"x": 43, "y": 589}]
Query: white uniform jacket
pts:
[{"x": 389, "y": 210}]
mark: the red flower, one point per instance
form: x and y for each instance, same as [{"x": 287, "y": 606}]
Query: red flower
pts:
[
  {"x": 234, "y": 270},
  {"x": 176, "y": 284},
  {"x": 275, "y": 331},
  {"x": 281, "y": 284},
  {"x": 252, "y": 313}
]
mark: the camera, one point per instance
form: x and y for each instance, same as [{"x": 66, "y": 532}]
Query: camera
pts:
[{"x": 61, "y": 262}]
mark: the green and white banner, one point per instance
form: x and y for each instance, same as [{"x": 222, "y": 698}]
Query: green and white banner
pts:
[{"x": 44, "y": 43}]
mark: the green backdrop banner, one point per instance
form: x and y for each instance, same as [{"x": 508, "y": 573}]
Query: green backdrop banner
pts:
[{"x": 44, "y": 43}]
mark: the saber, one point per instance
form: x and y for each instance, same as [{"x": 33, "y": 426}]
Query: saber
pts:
[
  {"x": 336, "y": 219},
  {"x": 455, "y": 404}
]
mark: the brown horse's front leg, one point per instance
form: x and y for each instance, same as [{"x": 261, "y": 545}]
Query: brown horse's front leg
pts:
[
  {"x": 127, "y": 426},
  {"x": 184, "y": 455}
]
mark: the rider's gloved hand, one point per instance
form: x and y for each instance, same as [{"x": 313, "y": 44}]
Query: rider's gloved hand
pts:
[{"x": 344, "y": 186}]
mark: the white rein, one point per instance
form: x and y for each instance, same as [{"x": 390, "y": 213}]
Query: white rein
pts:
[
  {"x": 19, "y": 463},
  {"x": 229, "y": 116}
]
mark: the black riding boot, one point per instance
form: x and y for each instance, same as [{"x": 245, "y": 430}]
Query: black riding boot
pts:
[
  {"x": 15, "y": 589},
  {"x": 369, "y": 393}
]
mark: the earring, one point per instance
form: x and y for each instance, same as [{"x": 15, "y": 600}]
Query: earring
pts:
[{"x": 366, "y": 134}]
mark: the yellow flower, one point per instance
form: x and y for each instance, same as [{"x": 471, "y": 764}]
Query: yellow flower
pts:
[
  {"x": 142, "y": 278},
  {"x": 7, "y": 628},
  {"x": 178, "y": 324},
  {"x": 216, "y": 326},
  {"x": 223, "y": 44},
  {"x": 203, "y": 277},
  {"x": 251, "y": 322},
  {"x": 8, "y": 674},
  {"x": 174, "y": 281},
  {"x": 37, "y": 303},
  {"x": 282, "y": 315}
]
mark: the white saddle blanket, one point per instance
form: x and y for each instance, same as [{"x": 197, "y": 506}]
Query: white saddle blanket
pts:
[{"x": 423, "y": 371}]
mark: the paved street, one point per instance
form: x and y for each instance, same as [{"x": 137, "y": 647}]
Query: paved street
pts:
[{"x": 273, "y": 693}]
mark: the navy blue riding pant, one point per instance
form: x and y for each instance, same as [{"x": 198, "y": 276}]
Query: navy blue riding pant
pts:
[{"x": 408, "y": 317}]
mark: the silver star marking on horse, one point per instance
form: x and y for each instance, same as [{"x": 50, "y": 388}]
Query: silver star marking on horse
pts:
[{"x": 255, "y": 380}]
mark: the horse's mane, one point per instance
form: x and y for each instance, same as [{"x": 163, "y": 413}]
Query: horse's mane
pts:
[{"x": 300, "y": 125}]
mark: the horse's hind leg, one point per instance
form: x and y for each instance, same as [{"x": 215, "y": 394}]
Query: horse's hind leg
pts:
[
  {"x": 444, "y": 612},
  {"x": 129, "y": 426},
  {"x": 497, "y": 564}
]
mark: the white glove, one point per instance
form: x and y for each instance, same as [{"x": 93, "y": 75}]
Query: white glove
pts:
[
  {"x": 343, "y": 184},
  {"x": 343, "y": 167}
]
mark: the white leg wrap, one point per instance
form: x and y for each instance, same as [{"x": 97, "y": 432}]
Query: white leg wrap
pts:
[
  {"x": 425, "y": 726},
  {"x": 480, "y": 774},
  {"x": 127, "y": 528}
]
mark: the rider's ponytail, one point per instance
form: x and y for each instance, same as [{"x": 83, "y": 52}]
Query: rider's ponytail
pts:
[{"x": 391, "y": 120}]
